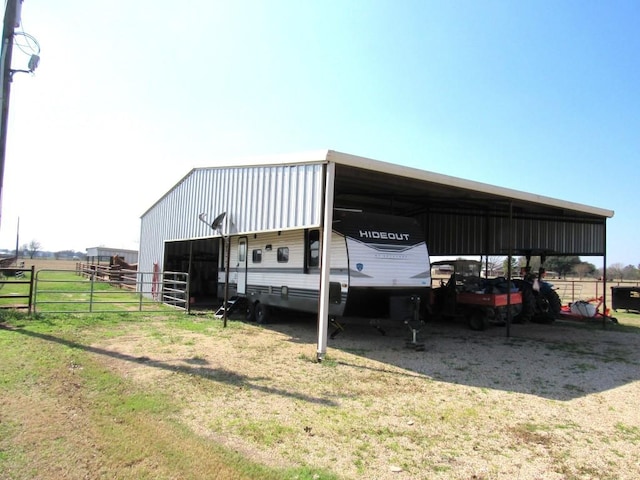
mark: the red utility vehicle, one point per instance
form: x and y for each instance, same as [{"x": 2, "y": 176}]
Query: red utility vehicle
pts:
[{"x": 480, "y": 301}]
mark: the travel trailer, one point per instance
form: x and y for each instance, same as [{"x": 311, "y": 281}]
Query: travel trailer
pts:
[{"x": 374, "y": 259}]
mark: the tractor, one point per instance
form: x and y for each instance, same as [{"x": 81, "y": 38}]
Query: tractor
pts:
[
  {"x": 480, "y": 301},
  {"x": 540, "y": 301}
]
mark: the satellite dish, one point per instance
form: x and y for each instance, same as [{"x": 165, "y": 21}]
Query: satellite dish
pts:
[{"x": 217, "y": 223}]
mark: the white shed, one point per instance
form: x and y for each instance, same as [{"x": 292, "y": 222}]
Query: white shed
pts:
[{"x": 99, "y": 255}]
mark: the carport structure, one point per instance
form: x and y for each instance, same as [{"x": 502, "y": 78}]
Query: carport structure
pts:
[
  {"x": 460, "y": 217},
  {"x": 463, "y": 217}
]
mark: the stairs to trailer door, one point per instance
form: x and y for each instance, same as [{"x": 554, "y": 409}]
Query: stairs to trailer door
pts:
[{"x": 232, "y": 305}]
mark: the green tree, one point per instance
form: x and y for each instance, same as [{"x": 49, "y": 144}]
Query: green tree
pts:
[
  {"x": 515, "y": 269},
  {"x": 562, "y": 265}
]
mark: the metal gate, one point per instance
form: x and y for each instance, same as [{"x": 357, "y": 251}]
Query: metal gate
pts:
[
  {"x": 90, "y": 290},
  {"x": 19, "y": 287}
]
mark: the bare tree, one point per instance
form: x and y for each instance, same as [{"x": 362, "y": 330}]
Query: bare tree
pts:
[
  {"x": 582, "y": 269},
  {"x": 492, "y": 265},
  {"x": 630, "y": 272},
  {"x": 615, "y": 271},
  {"x": 33, "y": 248}
]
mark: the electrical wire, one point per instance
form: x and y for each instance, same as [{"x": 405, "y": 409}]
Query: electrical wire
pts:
[{"x": 30, "y": 46}]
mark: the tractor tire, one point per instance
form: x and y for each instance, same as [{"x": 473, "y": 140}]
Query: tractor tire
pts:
[
  {"x": 555, "y": 304},
  {"x": 549, "y": 306},
  {"x": 528, "y": 302},
  {"x": 262, "y": 313}
]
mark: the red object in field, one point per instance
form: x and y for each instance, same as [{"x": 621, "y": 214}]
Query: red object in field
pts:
[
  {"x": 567, "y": 312},
  {"x": 155, "y": 281},
  {"x": 488, "y": 299}
]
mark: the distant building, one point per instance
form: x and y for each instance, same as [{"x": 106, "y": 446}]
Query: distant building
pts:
[{"x": 98, "y": 255}]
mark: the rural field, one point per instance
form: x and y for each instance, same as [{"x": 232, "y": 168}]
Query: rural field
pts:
[
  {"x": 40, "y": 263},
  {"x": 171, "y": 396}
]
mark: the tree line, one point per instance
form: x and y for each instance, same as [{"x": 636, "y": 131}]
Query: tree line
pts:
[
  {"x": 565, "y": 266},
  {"x": 34, "y": 249}
]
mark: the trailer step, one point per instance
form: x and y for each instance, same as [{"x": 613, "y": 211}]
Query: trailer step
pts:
[{"x": 232, "y": 304}]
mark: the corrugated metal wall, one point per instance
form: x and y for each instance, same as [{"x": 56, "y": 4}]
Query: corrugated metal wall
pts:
[
  {"x": 255, "y": 198},
  {"x": 458, "y": 233}
]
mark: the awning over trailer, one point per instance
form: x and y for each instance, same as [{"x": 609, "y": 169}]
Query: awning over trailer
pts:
[{"x": 462, "y": 217}]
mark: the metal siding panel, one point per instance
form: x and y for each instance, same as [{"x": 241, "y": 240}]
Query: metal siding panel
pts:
[
  {"x": 286, "y": 198},
  {"x": 456, "y": 233},
  {"x": 451, "y": 234},
  {"x": 233, "y": 196},
  {"x": 278, "y": 211},
  {"x": 255, "y": 199},
  {"x": 298, "y": 195},
  {"x": 562, "y": 237}
]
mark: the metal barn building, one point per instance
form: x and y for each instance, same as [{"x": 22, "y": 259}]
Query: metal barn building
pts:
[
  {"x": 97, "y": 255},
  {"x": 300, "y": 191}
]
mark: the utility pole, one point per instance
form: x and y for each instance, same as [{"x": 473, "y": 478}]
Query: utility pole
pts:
[{"x": 11, "y": 21}]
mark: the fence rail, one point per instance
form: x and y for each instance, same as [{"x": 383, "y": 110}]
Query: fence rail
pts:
[
  {"x": 573, "y": 290},
  {"x": 98, "y": 291},
  {"x": 16, "y": 276}
]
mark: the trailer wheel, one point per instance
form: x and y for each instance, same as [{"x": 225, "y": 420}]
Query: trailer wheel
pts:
[
  {"x": 478, "y": 320},
  {"x": 261, "y": 313},
  {"x": 250, "y": 314}
]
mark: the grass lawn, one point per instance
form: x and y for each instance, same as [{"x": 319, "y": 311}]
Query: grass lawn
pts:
[
  {"x": 164, "y": 395},
  {"x": 64, "y": 415}
]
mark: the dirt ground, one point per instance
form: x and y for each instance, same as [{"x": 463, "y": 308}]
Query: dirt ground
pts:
[{"x": 547, "y": 402}]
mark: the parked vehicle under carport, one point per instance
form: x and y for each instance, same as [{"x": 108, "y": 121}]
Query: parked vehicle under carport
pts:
[
  {"x": 479, "y": 301},
  {"x": 540, "y": 301}
]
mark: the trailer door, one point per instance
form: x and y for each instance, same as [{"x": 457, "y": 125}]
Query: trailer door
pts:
[{"x": 242, "y": 265}]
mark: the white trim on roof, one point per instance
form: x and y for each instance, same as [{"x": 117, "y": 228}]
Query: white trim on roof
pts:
[
  {"x": 323, "y": 156},
  {"x": 437, "y": 178}
]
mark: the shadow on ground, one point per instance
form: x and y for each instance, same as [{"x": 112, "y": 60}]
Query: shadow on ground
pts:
[
  {"x": 196, "y": 367},
  {"x": 561, "y": 361}
]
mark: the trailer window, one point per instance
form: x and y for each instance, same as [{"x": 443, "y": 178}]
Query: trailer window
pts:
[
  {"x": 283, "y": 254},
  {"x": 256, "y": 255},
  {"x": 313, "y": 248}
]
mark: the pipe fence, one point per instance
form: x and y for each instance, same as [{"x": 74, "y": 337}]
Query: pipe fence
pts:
[{"x": 99, "y": 290}]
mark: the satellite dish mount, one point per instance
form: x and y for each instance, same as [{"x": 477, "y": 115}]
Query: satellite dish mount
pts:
[{"x": 216, "y": 225}]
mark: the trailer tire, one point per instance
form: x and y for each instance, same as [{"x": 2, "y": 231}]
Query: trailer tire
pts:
[
  {"x": 250, "y": 314},
  {"x": 262, "y": 313}
]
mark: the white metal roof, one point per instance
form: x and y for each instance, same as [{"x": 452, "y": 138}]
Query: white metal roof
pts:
[{"x": 415, "y": 174}]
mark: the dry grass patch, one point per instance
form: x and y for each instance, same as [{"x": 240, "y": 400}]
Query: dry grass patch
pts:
[
  {"x": 552, "y": 402},
  {"x": 535, "y": 406}
]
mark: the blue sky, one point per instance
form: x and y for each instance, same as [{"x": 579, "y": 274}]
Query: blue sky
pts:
[{"x": 129, "y": 96}]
